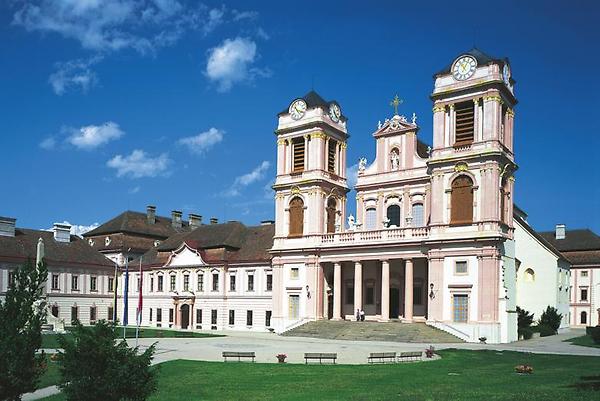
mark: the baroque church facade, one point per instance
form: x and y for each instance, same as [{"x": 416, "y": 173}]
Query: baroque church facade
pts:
[{"x": 433, "y": 239}]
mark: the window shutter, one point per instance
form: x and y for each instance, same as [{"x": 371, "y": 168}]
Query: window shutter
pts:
[
  {"x": 299, "y": 151},
  {"x": 331, "y": 215},
  {"x": 465, "y": 123},
  {"x": 331, "y": 156},
  {"x": 461, "y": 208}
]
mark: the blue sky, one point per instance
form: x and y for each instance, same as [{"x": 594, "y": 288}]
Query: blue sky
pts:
[{"x": 112, "y": 105}]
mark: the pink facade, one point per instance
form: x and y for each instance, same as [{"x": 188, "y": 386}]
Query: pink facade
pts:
[{"x": 432, "y": 240}]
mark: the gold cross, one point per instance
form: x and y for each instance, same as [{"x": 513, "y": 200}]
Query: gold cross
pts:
[{"x": 395, "y": 103}]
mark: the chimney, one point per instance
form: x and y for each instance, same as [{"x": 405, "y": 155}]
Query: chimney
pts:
[
  {"x": 561, "y": 231},
  {"x": 214, "y": 220},
  {"x": 62, "y": 232},
  {"x": 151, "y": 214},
  {"x": 195, "y": 220},
  {"x": 176, "y": 219},
  {"x": 7, "y": 226},
  {"x": 267, "y": 222}
]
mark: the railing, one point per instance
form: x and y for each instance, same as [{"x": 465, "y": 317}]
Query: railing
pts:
[
  {"x": 389, "y": 234},
  {"x": 450, "y": 329}
]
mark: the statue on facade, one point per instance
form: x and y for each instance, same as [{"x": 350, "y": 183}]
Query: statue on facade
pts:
[
  {"x": 362, "y": 164},
  {"x": 414, "y": 118},
  {"x": 395, "y": 159},
  {"x": 351, "y": 224}
]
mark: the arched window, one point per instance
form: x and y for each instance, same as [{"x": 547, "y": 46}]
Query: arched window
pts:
[
  {"x": 529, "y": 275},
  {"x": 331, "y": 212},
  {"x": 417, "y": 215},
  {"x": 461, "y": 207},
  {"x": 296, "y": 217},
  {"x": 393, "y": 214},
  {"x": 371, "y": 219},
  {"x": 583, "y": 317}
]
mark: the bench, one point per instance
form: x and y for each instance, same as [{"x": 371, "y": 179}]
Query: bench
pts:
[
  {"x": 410, "y": 356},
  {"x": 382, "y": 357},
  {"x": 321, "y": 356},
  {"x": 238, "y": 355}
]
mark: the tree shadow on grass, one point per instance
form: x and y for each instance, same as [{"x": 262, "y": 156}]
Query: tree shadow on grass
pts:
[{"x": 587, "y": 383}]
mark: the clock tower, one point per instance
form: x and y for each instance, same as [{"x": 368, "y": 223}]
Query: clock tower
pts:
[{"x": 311, "y": 182}]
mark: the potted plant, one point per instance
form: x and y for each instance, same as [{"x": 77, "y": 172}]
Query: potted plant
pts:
[
  {"x": 524, "y": 369},
  {"x": 482, "y": 340},
  {"x": 281, "y": 358},
  {"x": 429, "y": 352}
]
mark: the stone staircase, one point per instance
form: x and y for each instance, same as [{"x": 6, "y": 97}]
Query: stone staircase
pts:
[{"x": 373, "y": 331}]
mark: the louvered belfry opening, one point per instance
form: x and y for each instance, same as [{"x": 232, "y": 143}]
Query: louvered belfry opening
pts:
[
  {"x": 296, "y": 217},
  {"x": 331, "y": 156},
  {"x": 461, "y": 201},
  {"x": 465, "y": 123},
  {"x": 299, "y": 152},
  {"x": 331, "y": 211}
]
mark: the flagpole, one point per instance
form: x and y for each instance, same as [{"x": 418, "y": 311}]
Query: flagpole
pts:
[
  {"x": 140, "y": 302},
  {"x": 125, "y": 294},
  {"x": 115, "y": 295}
]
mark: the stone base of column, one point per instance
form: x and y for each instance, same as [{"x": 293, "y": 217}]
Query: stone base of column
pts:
[
  {"x": 337, "y": 319},
  {"x": 407, "y": 320},
  {"x": 381, "y": 320}
]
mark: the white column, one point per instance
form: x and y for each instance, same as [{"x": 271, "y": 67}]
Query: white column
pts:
[
  {"x": 337, "y": 291},
  {"x": 385, "y": 290},
  {"x": 357, "y": 287},
  {"x": 408, "y": 290}
]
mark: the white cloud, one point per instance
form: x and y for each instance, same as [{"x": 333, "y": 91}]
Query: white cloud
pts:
[
  {"x": 74, "y": 74},
  {"x": 92, "y": 136},
  {"x": 240, "y": 15},
  {"x": 48, "y": 143},
  {"x": 352, "y": 175},
  {"x": 246, "y": 179},
  {"x": 203, "y": 141},
  {"x": 215, "y": 18},
  {"x": 138, "y": 164},
  {"x": 134, "y": 190},
  {"x": 230, "y": 63}
]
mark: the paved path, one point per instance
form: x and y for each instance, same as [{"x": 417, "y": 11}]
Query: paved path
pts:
[{"x": 41, "y": 393}]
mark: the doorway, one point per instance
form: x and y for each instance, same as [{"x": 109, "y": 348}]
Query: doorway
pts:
[
  {"x": 394, "y": 303},
  {"x": 185, "y": 316}
]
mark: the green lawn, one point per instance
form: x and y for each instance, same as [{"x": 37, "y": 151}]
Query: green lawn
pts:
[
  {"x": 51, "y": 340},
  {"x": 52, "y": 374},
  {"x": 459, "y": 376},
  {"x": 585, "y": 341}
]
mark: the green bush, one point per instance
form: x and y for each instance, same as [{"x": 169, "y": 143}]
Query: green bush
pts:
[
  {"x": 526, "y": 332},
  {"x": 545, "y": 330},
  {"x": 595, "y": 334},
  {"x": 524, "y": 318},
  {"x": 550, "y": 318}
]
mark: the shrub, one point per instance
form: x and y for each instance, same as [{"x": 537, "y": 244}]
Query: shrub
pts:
[
  {"x": 546, "y": 331},
  {"x": 524, "y": 318},
  {"x": 526, "y": 332},
  {"x": 551, "y": 318},
  {"x": 595, "y": 334}
]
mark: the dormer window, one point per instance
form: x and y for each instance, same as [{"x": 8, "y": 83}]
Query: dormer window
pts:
[
  {"x": 299, "y": 154},
  {"x": 91, "y": 242},
  {"x": 464, "y": 123},
  {"x": 107, "y": 241},
  {"x": 156, "y": 243}
]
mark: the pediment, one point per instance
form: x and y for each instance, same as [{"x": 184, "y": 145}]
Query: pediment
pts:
[
  {"x": 396, "y": 125},
  {"x": 185, "y": 256}
]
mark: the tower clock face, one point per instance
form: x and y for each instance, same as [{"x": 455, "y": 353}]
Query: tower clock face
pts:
[
  {"x": 335, "y": 112},
  {"x": 464, "y": 68},
  {"x": 297, "y": 109},
  {"x": 506, "y": 74}
]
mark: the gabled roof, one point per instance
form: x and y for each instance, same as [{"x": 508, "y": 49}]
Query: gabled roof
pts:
[
  {"x": 76, "y": 253},
  {"x": 234, "y": 241},
  {"x": 575, "y": 240},
  {"x": 481, "y": 57},
  {"x": 137, "y": 223}
]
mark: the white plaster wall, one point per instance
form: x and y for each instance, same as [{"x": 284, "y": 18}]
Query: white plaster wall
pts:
[{"x": 450, "y": 280}]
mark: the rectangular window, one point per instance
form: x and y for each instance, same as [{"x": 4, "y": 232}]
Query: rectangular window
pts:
[
  {"x": 93, "y": 283},
  {"x": 294, "y": 273},
  {"x": 294, "y": 306},
  {"x": 268, "y": 318},
  {"x": 111, "y": 284},
  {"x": 11, "y": 278},
  {"x": 110, "y": 313},
  {"x": 584, "y": 294},
  {"x": 249, "y": 318},
  {"x": 213, "y": 316},
  {"x": 150, "y": 314},
  {"x": 186, "y": 282},
  {"x": 350, "y": 293},
  {"x": 584, "y": 273},
  {"x": 172, "y": 282},
  {"x": 74, "y": 313},
  {"x": 461, "y": 307},
  {"x": 299, "y": 150},
  {"x": 215, "y": 282},
  {"x": 250, "y": 282},
  {"x": 331, "y": 155},
  {"x": 269, "y": 282},
  {"x": 92, "y": 314},
  {"x": 198, "y": 316},
  {"x": 370, "y": 295},
  {"x": 75, "y": 283},
  {"x": 160, "y": 283},
  {"x": 151, "y": 283},
  {"x": 371, "y": 219},
  {"x": 171, "y": 315},
  {"x": 55, "y": 282},
  {"x": 417, "y": 215},
  {"x": 465, "y": 123},
  {"x": 232, "y": 283},
  {"x": 460, "y": 267},
  {"x": 200, "y": 282},
  {"x": 139, "y": 284},
  {"x": 159, "y": 315},
  {"x": 54, "y": 310},
  {"x": 231, "y": 317}
]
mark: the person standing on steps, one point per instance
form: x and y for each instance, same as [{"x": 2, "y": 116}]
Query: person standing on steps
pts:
[
  {"x": 362, "y": 315},
  {"x": 358, "y": 315}
]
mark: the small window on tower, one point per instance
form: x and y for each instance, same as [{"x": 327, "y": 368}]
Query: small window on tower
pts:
[
  {"x": 299, "y": 151},
  {"x": 465, "y": 123},
  {"x": 331, "y": 152}
]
